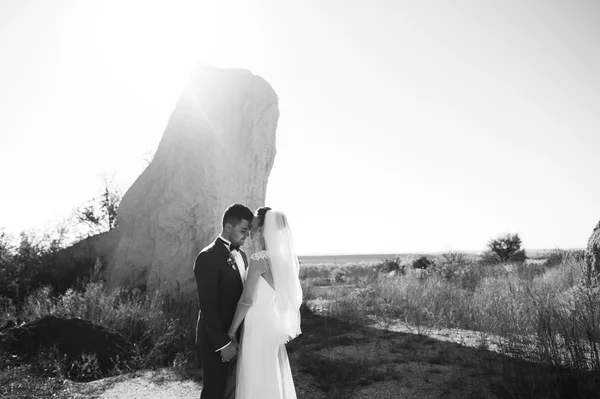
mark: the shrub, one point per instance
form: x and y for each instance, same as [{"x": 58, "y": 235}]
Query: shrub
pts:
[
  {"x": 158, "y": 325},
  {"x": 455, "y": 268},
  {"x": 421, "y": 263},
  {"x": 391, "y": 265},
  {"x": 556, "y": 257},
  {"x": 29, "y": 265},
  {"x": 337, "y": 276},
  {"x": 308, "y": 290},
  {"x": 489, "y": 258},
  {"x": 453, "y": 258}
]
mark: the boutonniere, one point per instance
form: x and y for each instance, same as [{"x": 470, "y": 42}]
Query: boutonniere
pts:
[{"x": 231, "y": 261}]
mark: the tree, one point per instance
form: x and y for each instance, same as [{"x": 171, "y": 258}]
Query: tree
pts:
[
  {"x": 507, "y": 247},
  {"x": 100, "y": 213},
  {"x": 5, "y": 248},
  {"x": 109, "y": 203}
]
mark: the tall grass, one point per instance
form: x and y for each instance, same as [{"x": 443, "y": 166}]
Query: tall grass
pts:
[
  {"x": 160, "y": 327},
  {"x": 547, "y": 314}
]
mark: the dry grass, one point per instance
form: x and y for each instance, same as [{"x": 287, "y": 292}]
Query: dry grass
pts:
[
  {"x": 161, "y": 329},
  {"x": 546, "y": 318}
]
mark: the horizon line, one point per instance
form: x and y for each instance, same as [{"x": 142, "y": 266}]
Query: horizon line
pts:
[{"x": 426, "y": 252}]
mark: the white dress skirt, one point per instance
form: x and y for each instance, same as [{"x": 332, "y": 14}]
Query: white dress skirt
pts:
[{"x": 263, "y": 367}]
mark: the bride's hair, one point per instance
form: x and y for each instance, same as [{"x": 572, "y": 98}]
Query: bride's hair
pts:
[{"x": 260, "y": 214}]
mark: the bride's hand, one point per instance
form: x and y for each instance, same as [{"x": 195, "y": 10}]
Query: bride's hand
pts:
[{"x": 232, "y": 337}]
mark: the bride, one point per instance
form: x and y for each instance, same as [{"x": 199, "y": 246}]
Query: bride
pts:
[{"x": 270, "y": 310}]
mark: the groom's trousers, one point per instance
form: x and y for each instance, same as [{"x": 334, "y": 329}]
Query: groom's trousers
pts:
[
  {"x": 231, "y": 379},
  {"x": 218, "y": 378}
]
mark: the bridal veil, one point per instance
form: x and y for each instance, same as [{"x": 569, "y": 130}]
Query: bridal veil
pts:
[{"x": 285, "y": 269}]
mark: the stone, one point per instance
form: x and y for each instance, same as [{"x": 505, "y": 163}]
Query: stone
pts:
[
  {"x": 218, "y": 149},
  {"x": 71, "y": 337},
  {"x": 592, "y": 253}
]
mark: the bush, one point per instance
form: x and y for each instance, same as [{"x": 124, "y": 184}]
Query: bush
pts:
[
  {"x": 23, "y": 268},
  {"x": 161, "y": 327},
  {"x": 489, "y": 258},
  {"x": 337, "y": 276},
  {"x": 421, "y": 263},
  {"x": 454, "y": 265},
  {"x": 453, "y": 258},
  {"x": 556, "y": 257},
  {"x": 577, "y": 255},
  {"x": 391, "y": 265}
]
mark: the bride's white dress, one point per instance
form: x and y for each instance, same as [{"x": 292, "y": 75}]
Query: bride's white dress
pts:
[{"x": 263, "y": 368}]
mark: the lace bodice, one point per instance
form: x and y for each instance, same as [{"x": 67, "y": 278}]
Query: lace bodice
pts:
[
  {"x": 259, "y": 255},
  {"x": 257, "y": 292}
]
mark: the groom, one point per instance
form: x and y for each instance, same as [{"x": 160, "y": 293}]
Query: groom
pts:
[{"x": 219, "y": 272}]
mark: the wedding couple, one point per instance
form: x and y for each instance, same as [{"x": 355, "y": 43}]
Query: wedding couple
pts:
[{"x": 249, "y": 308}]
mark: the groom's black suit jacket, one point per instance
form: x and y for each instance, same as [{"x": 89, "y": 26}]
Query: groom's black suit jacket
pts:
[{"x": 219, "y": 290}]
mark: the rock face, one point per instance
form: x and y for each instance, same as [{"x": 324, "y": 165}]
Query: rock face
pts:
[
  {"x": 592, "y": 254},
  {"x": 218, "y": 149}
]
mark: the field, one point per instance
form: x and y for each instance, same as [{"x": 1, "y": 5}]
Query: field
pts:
[
  {"x": 373, "y": 259},
  {"x": 374, "y": 326},
  {"x": 345, "y": 259},
  {"x": 541, "y": 317}
]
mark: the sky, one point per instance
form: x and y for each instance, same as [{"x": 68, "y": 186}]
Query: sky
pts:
[{"x": 405, "y": 126}]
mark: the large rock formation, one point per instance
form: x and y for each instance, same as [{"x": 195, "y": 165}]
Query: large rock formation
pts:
[
  {"x": 592, "y": 254},
  {"x": 218, "y": 149}
]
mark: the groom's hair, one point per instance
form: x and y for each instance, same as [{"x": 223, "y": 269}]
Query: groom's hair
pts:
[{"x": 236, "y": 213}]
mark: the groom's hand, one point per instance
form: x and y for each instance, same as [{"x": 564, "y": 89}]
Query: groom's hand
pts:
[{"x": 229, "y": 352}]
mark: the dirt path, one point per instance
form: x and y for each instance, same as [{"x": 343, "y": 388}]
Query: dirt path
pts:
[{"x": 158, "y": 384}]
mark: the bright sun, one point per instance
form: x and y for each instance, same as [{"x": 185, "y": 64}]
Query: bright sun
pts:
[
  {"x": 166, "y": 38},
  {"x": 147, "y": 49}
]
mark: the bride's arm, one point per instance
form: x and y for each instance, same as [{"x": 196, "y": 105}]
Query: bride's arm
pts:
[{"x": 255, "y": 270}]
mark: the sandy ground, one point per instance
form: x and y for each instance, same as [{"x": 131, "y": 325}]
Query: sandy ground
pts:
[
  {"x": 163, "y": 384},
  {"x": 159, "y": 384}
]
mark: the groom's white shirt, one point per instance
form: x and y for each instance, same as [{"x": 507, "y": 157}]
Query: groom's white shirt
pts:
[
  {"x": 238, "y": 259},
  {"x": 241, "y": 268}
]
